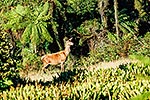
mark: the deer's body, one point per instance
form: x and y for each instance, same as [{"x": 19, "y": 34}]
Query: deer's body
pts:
[{"x": 58, "y": 57}]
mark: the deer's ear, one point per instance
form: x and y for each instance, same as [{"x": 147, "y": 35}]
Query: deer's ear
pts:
[{"x": 70, "y": 39}]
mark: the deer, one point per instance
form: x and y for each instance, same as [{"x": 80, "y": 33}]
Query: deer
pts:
[{"x": 58, "y": 57}]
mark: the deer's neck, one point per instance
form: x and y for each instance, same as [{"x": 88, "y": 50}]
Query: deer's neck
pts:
[{"x": 67, "y": 50}]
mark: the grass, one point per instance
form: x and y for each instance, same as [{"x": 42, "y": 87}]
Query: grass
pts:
[{"x": 143, "y": 96}]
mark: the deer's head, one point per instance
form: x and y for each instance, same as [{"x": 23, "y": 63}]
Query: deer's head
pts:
[{"x": 68, "y": 43}]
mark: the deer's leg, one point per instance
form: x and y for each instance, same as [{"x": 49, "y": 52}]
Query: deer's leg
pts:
[
  {"x": 62, "y": 66},
  {"x": 45, "y": 65}
]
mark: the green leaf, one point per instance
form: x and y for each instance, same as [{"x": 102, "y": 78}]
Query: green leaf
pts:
[
  {"x": 123, "y": 29},
  {"x": 42, "y": 39},
  {"x": 25, "y": 38},
  {"x": 35, "y": 39},
  {"x": 20, "y": 10},
  {"x": 45, "y": 33},
  {"x": 46, "y": 7},
  {"x": 112, "y": 37},
  {"x": 8, "y": 82}
]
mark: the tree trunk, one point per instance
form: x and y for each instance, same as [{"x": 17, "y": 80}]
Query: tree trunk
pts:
[
  {"x": 102, "y": 5},
  {"x": 116, "y": 17}
]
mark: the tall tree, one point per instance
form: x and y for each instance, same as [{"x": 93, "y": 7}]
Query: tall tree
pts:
[
  {"x": 116, "y": 16},
  {"x": 102, "y": 5}
]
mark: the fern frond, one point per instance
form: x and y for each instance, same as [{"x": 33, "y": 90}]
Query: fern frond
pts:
[
  {"x": 131, "y": 30},
  {"x": 123, "y": 29},
  {"x": 45, "y": 33},
  {"x": 20, "y": 10},
  {"x": 112, "y": 37},
  {"x": 46, "y": 7},
  {"x": 40, "y": 33},
  {"x": 35, "y": 40},
  {"x": 25, "y": 38}
]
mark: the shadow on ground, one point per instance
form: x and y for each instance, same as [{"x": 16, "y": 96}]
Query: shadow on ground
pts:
[{"x": 58, "y": 78}]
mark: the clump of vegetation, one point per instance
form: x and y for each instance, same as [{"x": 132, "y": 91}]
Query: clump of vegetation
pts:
[
  {"x": 8, "y": 69},
  {"x": 121, "y": 83}
]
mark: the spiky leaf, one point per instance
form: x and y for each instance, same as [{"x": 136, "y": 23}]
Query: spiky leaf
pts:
[
  {"x": 35, "y": 40},
  {"x": 112, "y": 37},
  {"x": 25, "y": 38},
  {"x": 42, "y": 39},
  {"x": 45, "y": 10},
  {"x": 45, "y": 33}
]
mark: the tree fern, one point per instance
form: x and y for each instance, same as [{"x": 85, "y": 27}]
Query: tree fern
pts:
[
  {"x": 32, "y": 20},
  {"x": 36, "y": 31}
]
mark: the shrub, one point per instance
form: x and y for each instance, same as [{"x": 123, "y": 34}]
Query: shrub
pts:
[{"x": 8, "y": 68}]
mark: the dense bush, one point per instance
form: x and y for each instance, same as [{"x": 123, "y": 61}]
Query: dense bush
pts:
[
  {"x": 122, "y": 83},
  {"x": 8, "y": 69}
]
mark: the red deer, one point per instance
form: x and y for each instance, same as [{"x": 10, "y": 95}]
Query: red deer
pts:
[{"x": 58, "y": 57}]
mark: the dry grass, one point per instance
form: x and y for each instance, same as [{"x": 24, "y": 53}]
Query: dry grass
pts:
[{"x": 111, "y": 64}]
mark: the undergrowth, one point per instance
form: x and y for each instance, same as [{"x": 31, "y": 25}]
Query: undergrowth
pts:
[{"x": 121, "y": 83}]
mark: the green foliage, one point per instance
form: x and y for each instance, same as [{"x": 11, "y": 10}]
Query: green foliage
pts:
[
  {"x": 120, "y": 83},
  {"x": 30, "y": 60},
  {"x": 80, "y": 7},
  {"x": 147, "y": 38},
  {"x": 7, "y": 63},
  {"x": 26, "y": 34},
  {"x": 35, "y": 21},
  {"x": 32, "y": 20},
  {"x": 45, "y": 10},
  {"x": 112, "y": 37},
  {"x": 138, "y": 4},
  {"x": 143, "y": 59},
  {"x": 14, "y": 19},
  {"x": 36, "y": 32},
  {"x": 142, "y": 50},
  {"x": 45, "y": 33},
  {"x": 88, "y": 26},
  {"x": 112, "y": 47},
  {"x": 143, "y": 96},
  {"x": 126, "y": 25},
  {"x": 87, "y": 29}
]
